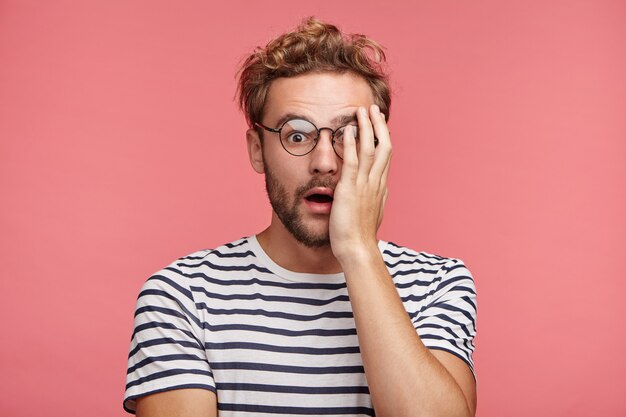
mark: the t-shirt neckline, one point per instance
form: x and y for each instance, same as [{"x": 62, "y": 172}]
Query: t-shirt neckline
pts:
[{"x": 297, "y": 276}]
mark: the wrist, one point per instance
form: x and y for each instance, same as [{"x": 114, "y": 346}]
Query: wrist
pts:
[{"x": 361, "y": 254}]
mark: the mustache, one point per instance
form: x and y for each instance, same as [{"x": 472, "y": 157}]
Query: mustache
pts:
[{"x": 315, "y": 182}]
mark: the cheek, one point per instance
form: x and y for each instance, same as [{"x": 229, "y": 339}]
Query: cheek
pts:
[
  {"x": 281, "y": 174},
  {"x": 288, "y": 171}
]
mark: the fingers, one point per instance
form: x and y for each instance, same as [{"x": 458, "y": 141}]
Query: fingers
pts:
[
  {"x": 367, "y": 151},
  {"x": 380, "y": 166},
  {"x": 350, "y": 157},
  {"x": 370, "y": 163}
]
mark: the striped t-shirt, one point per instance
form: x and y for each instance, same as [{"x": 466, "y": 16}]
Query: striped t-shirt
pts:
[{"x": 275, "y": 342}]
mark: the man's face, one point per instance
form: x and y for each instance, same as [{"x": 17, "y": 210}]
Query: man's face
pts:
[{"x": 300, "y": 188}]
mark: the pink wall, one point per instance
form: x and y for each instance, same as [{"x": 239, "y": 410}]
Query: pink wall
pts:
[{"x": 121, "y": 149}]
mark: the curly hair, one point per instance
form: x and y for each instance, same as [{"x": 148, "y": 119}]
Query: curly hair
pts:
[{"x": 314, "y": 46}]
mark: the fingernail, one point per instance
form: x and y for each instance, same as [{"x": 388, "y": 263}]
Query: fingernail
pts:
[
  {"x": 375, "y": 108},
  {"x": 363, "y": 111}
]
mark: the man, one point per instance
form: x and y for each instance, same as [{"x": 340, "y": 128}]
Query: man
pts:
[{"x": 314, "y": 315}]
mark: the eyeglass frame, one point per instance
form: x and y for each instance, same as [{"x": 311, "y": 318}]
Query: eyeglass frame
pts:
[{"x": 333, "y": 132}]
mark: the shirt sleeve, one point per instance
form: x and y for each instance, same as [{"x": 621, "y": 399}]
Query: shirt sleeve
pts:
[
  {"x": 167, "y": 345},
  {"x": 448, "y": 322}
]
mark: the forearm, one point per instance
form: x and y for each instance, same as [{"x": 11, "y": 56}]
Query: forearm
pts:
[{"x": 404, "y": 378}]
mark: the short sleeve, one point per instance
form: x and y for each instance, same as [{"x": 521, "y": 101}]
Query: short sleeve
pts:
[
  {"x": 448, "y": 321},
  {"x": 167, "y": 349}
]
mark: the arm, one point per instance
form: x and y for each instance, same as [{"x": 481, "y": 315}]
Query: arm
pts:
[
  {"x": 178, "y": 403},
  {"x": 405, "y": 378}
]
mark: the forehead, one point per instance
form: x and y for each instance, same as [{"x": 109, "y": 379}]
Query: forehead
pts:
[{"x": 320, "y": 97}]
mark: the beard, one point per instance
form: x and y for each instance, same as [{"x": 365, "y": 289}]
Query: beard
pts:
[{"x": 288, "y": 212}]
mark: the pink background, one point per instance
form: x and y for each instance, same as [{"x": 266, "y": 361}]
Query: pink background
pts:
[{"x": 121, "y": 149}]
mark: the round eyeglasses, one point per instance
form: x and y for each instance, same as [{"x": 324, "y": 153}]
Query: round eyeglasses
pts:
[{"x": 299, "y": 136}]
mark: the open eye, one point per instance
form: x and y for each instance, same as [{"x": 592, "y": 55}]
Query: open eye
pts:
[
  {"x": 298, "y": 132},
  {"x": 297, "y": 138}
]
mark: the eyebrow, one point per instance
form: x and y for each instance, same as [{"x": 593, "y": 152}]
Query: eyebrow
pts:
[
  {"x": 287, "y": 117},
  {"x": 344, "y": 119},
  {"x": 341, "y": 120}
]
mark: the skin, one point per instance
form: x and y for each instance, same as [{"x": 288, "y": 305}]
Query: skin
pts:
[{"x": 404, "y": 377}]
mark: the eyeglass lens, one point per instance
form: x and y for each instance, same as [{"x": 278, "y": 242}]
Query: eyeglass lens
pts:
[{"x": 299, "y": 137}]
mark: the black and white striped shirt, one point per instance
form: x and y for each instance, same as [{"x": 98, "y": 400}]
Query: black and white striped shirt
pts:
[{"x": 275, "y": 342}]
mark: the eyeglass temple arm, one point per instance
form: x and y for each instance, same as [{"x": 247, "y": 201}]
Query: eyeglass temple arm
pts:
[{"x": 262, "y": 126}]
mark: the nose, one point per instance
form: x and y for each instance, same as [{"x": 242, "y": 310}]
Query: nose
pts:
[{"x": 324, "y": 160}]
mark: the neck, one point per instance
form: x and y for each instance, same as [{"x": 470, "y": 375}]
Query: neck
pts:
[{"x": 289, "y": 253}]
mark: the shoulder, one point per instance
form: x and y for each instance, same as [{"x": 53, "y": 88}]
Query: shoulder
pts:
[
  {"x": 180, "y": 274},
  {"x": 230, "y": 253},
  {"x": 239, "y": 248},
  {"x": 401, "y": 259},
  {"x": 434, "y": 275}
]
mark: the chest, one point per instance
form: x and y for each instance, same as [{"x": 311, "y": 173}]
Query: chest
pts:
[{"x": 282, "y": 344}]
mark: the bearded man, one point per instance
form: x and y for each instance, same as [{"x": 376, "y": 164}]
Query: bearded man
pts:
[{"x": 314, "y": 315}]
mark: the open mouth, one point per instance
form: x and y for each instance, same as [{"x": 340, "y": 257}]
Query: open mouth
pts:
[
  {"x": 320, "y": 195},
  {"x": 319, "y": 198}
]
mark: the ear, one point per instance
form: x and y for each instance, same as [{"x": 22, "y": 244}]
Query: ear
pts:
[{"x": 255, "y": 150}]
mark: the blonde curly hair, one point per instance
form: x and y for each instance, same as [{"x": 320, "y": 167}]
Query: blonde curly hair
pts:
[{"x": 314, "y": 46}]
